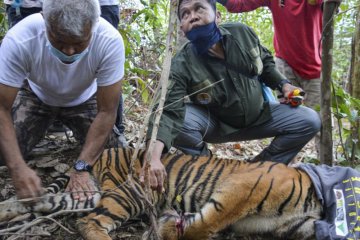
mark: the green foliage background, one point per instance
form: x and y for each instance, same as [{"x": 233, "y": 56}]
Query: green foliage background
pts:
[{"x": 3, "y": 23}]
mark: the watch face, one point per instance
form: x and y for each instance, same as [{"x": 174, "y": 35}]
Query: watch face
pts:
[{"x": 80, "y": 165}]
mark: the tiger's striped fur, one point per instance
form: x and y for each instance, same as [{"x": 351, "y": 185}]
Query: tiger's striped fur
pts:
[
  {"x": 49, "y": 203},
  {"x": 212, "y": 193},
  {"x": 253, "y": 197}
]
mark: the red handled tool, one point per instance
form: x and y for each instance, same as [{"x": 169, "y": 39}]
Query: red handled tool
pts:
[{"x": 294, "y": 99}]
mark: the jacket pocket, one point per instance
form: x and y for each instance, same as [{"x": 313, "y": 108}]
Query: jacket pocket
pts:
[{"x": 202, "y": 93}]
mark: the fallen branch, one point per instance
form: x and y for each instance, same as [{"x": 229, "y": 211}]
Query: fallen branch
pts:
[
  {"x": 164, "y": 82},
  {"x": 38, "y": 220}
]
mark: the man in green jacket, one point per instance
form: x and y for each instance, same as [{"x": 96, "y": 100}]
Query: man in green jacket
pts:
[{"x": 222, "y": 70}]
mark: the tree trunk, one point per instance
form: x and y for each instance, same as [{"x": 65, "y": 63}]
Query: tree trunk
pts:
[
  {"x": 354, "y": 79},
  {"x": 326, "y": 144}
]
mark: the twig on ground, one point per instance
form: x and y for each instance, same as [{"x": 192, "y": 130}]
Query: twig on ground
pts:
[{"x": 38, "y": 220}]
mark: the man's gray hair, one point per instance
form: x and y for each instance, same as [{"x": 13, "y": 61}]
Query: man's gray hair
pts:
[{"x": 69, "y": 17}]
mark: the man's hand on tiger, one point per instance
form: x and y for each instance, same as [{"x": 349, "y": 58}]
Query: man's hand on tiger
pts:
[
  {"x": 157, "y": 175},
  {"x": 81, "y": 185},
  {"x": 27, "y": 184}
]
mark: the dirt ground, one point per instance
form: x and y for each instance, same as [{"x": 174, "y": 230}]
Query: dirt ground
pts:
[{"x": 56, "y": 153}]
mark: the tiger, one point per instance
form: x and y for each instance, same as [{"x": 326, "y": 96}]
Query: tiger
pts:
[{"x": 203, "y": 196}]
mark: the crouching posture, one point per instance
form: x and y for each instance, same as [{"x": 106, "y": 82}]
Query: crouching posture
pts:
[{"x": 211, "y": 193}]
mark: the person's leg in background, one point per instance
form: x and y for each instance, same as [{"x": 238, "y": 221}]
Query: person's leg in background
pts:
[
  {"x": 312, "y": 88},
  {"x": 111, "y": 13},
  {"x": 14, "y": 17}
]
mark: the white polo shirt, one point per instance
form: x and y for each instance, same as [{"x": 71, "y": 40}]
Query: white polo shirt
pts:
[{"x": 25, "y": 53}]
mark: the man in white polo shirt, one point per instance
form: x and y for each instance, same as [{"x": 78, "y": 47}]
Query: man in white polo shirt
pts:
[
  {"x": 73, "y": 62},
  {"x": 16, "y": 10}
]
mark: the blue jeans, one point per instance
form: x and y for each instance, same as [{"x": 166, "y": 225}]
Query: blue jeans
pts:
[{"x": 291, "y": 128}]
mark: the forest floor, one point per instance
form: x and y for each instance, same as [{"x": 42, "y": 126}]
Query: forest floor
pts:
[{"x": 55, "y": 154}]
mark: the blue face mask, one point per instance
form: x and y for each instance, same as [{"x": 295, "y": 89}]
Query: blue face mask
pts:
[
  {"x": 65, "y": 58},
  {"x": 204, "y": 37}
]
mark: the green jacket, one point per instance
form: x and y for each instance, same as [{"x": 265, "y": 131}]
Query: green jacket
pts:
[{"x": 234, "y": 98}]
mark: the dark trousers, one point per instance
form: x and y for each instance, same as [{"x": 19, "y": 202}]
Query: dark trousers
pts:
[
  {"x": 13, "y": 18},
  {"x": 291, "y": 128},
  {"x": 111, "y": 13}
]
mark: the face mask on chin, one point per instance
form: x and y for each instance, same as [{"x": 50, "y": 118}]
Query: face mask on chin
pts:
[
  {"x": 204, "y": 37},
  {"x": 66, "y": 58}
]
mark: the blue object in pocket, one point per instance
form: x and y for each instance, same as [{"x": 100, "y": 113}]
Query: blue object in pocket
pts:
[{"x": 268, "y": 94}]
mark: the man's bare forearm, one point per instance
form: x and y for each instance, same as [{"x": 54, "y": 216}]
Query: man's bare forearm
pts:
[
  {"x": 97, "y": 137},
  {"x": 9, "y": 147}
]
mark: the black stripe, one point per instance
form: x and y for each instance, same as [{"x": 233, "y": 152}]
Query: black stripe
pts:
[
  {"x": 307, "y": 202},
  {"x": 127, "y": 195},
  {"x": 97, "y": 222},
  {"x": 254, "y": 187},
  {"x": 287, "y": 200},
  {"x": 210, "y": 189},
  {"x": 260, "y": 205},
  {"x": 301, "y": 189},
  {"x": 173, "y": 160},
  {"x": 58, "y": 184},
  {"x": 271, "y": 167},
  {"x": 182, "y": 188},
  {"x": 293, "y": 230},
  {"x": 122, "y": 202},
  {"x": 235, "y": 165},
  {"x": 200, "y": 171},
  {"x": 217, "y": 205},
  {"x": 197, "y": 197}
]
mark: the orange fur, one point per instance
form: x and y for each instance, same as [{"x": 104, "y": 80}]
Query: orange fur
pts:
[{"x": 252, "y": 197}]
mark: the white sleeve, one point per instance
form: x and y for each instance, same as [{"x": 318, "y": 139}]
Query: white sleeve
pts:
[
  {"x": 111, "y": 68},
  {"x": 12, "y": 63}
]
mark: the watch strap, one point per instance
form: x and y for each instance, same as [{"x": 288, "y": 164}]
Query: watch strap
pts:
[
  {"x": 281, "y": 84},
  {"x": 82, "y": 166}
]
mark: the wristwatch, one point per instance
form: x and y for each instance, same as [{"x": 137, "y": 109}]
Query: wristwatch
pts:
[
  {"x": 281, "y": 84},
  {"x": 82, "y": 166}
]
